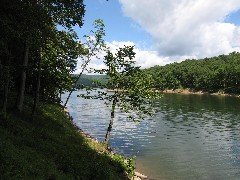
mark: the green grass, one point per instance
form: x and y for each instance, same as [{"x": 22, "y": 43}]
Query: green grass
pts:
[{"x": 49, "y": 146}]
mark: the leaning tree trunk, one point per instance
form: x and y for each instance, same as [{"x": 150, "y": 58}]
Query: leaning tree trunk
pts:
[
  {"x": 107, "y": 136},
  {"x": 36, "y": 98},
  {"x": 20, "y": 99},
  {"x": 75, "y": 84}
]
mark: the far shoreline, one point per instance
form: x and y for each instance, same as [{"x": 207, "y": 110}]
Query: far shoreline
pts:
[{"x": 188, "y": 91}]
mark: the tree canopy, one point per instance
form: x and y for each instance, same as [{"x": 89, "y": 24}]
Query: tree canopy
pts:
[
  {"x": 216, "y": 74},
  {"x": 33, "y": 49},
  {"x": 132, "y": 87}
]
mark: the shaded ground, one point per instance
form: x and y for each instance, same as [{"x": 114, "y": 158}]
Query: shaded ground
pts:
[{"x": 49, "y": 146}]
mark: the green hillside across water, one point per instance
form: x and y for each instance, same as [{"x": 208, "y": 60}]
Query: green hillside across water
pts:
[
  {"x": 217, "y": 74},
  {"x": 88, "y": 80}
]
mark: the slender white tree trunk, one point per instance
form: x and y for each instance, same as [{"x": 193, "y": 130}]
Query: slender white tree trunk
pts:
[{"x": 107, "y": 136}]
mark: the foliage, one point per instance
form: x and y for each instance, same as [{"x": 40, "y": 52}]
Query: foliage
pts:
[
  {"x": 216, "y": 74},
  {"x": 133, "y": 93},
  {"x": 29, "y": 30},
  {"x": 93, "y": 44},
  {"x": 132, "y": 87},
  {"x": 127, "y": 163},
  {"x": 59, "y": 62}
]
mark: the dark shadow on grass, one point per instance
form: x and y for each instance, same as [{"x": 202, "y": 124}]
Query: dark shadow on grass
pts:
[{"x": 49, "y": 146}]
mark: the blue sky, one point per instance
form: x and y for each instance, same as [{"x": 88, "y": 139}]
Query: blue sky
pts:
[
  {"x": 118, "y": 26},
  {"x": 234, "y": 18},
  {"x": 166, "y": 31}
]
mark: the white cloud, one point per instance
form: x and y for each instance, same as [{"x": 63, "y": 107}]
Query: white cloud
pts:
[
  {"x": 143, "y": 58},
  {"x": 95, "y": 63},
  {"x": 185, "y": 28}
]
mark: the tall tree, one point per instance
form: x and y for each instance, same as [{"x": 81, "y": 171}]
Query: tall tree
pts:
[
  {"x": 20, "y": 99},
  {"x": 133, "y": 93},
  {"x": 93, "y": 45},
  {"x": 37, "y": 93},
  {"x": 59, "y": 60}
]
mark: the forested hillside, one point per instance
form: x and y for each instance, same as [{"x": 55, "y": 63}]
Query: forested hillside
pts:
[
  {"x": 89, "y": 80},
  {"x": 216, "y": 74}
]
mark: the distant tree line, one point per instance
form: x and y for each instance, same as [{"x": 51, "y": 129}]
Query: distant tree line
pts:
[
  {"x": 37, "y": 58},
  {"x": 90, "y": 80},
  {"x": 216, "y": 74}
]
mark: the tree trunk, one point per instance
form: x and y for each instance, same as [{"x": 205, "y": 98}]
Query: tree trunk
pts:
[
  {"x": 5, "y": 100},
  {"x": 107, "y": 136},
  {"x": 36, "y": 98},
  {"x": 6, "y": 88},
  {"x": 20, "y": 99},
  {"x": 75, "y": 84}
]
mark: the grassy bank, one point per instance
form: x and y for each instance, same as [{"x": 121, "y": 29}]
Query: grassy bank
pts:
[{"x": 49, "y": 146}]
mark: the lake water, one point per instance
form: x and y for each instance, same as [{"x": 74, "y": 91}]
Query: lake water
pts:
[{"x": 191, "y": 137}]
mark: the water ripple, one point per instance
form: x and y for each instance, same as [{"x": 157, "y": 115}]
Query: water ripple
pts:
[{"x": 192, "y": 136}]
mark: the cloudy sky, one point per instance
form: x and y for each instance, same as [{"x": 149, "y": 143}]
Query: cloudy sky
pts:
[{"x": 166, "y": 31}]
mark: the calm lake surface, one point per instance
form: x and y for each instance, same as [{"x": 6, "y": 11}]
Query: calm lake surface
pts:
[{"x": 191, "y": 137}]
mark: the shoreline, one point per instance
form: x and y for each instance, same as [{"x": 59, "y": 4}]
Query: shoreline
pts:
[
  {"x": 137, "y": 175},
  {"x": 186, "y": 91},
  {"x": 189, "y": 91}
]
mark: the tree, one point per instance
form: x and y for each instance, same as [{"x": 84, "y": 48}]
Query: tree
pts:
[
  {"x": 59, "y": 60},
  {"x": 93, "y": 45},
  {"x": 28, "y": 26},
  {"x": 133, "y": 93}
]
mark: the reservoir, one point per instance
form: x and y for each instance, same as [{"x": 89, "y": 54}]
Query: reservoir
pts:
[{"x": 191, "y": 136}]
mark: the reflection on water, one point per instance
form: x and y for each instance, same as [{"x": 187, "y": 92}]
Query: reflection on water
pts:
[{"x": 192, "y": 136}]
